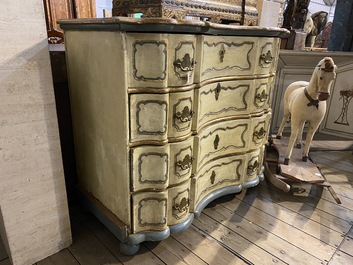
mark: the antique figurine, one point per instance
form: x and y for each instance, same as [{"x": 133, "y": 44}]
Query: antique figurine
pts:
[{"x": 306, "y": 101}]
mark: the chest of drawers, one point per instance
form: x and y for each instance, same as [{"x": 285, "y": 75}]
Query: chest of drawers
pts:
[{"x": 167, "y": 116}]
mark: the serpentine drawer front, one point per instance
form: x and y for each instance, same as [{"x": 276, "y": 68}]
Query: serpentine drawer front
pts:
[{"x": 167, "y": 116}]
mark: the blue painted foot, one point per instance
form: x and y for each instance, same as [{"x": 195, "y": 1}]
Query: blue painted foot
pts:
[
  {"x": 286, "y": 161},
  {"x": 299, "y": 146},
  {"x": 304, "y": 158},
  {"x": 278, "y": 137},
  {"x": 128, "y": 249}
]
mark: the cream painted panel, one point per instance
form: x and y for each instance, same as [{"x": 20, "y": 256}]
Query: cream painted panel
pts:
[
  {"x": 217, "y": 174},
  {"x": 178, "y": 203},
  {"x": 270, "y": 89},
  {"x": 222, "y": 99},
  {"x": 149, "y": 211},
  {"x": 147, "y": 59},
  {"x": 150, "y": 166},
  {"x": 222, "y": 139},
  {"x": 148, "y": 117},
  {"x": 259, "y": 131},
  {"x": 267, "y": 56},
  {"x": 181, "y": 59},
  {"x": 181, "y": 161},
  {"x": 223, "y": 56},
  {"x": 180, "y": 113},
  {"x": 100, "y": 114}
]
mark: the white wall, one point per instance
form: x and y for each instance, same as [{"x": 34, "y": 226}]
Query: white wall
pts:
[{"x": 34, "y": 220}]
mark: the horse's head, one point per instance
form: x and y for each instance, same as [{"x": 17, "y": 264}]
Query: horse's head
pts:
[{"x": 326, "y": 73}]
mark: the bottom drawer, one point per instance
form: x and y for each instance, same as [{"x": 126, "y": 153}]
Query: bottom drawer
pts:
[
  {"x": 149, "y": 211},
  {"x": 178, "y": 203},
  {"x": 216, "y": 175},
  {"x": 155, "y": 211}
]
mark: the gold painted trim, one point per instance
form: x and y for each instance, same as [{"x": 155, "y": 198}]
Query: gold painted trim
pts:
[
  {"x": 180, "y": 138},
  {"x": 216, "y": 121},
  {"x": 231, "y": 118},
  {"x": 249, "y": 151},
  {"x": 165, "y": 90},
  {"x": 175, "y": 89},
  {"x": 203, "y": 27},
  {"x": 148, "y": 142}
]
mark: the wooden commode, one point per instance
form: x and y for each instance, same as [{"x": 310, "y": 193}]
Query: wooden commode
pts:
[{"x": 167, "y": 116}]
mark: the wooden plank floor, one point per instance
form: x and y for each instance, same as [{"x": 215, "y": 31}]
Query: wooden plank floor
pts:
[{"x": 262, "y": 225}]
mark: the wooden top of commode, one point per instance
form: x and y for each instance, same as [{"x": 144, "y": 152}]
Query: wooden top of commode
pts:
[{"x": 162, "y": 25}]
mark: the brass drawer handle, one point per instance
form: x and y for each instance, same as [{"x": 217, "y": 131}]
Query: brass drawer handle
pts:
[
  {"x": 187, "y": 64},
  {"x": 216, "y": 142},
  {"x": 260, "y": 134},
  {"x": 262, "y": 97},
  {"x": 213, "y": 177},
  {"x": 267, "y": 58},
  {"x": 183, "y": 205},
  {"x": 221, "y": 53},
  {"x": 218, "y": 91},
  {"x": 186, "y": 163},
  {"x": 253, "y": 167},
  {"x": 185, "y": 115}
]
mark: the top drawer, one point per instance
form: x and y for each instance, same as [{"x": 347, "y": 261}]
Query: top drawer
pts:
[
  {"x": 223, "y": 56},
  {"x": 160, "y": 60}
]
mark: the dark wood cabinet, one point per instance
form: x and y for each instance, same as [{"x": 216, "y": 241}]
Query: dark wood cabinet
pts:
[{"x": 65, "y": 9}]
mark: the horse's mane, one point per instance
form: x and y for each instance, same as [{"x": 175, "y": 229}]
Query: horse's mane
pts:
[{"x": 329, "y": 64}]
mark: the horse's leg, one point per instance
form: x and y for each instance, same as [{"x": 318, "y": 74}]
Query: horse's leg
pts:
[
  {"x": 285, "y": 118},
  {"x": 300, "y": 135},
  {"x": 295, "y": 126},
  {"x": 313, "y": 125}
]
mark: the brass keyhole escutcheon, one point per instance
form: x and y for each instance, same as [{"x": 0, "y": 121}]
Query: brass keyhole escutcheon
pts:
[
  {"x": 213, "y": 177},
  {"x": 221, "y": 53},
  {"x": 218, "y": 91},
  {"x": 216, "y": 142}
]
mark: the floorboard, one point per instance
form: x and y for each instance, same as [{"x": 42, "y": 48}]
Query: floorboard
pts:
[
  {"x": 341, "y": 258},
  {"x": 207, "y": 248},
  {"x": 112, "y": 244},
  {"x": 88, "y": 250},
  {"x": 291, "y": 219},
  {"x": 261, "y": 225},
  {"x": 287, "y": 243},
  {"x": 60, "y": 258}
]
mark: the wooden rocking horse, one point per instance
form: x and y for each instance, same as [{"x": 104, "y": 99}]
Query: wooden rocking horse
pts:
[{"x": 306, "y": 101}]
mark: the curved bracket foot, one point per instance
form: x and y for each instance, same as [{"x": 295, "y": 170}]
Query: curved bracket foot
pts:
[{"x": 128, "y": 249}]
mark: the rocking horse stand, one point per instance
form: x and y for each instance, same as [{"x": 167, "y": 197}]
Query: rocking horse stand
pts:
[{"x": 297, "y": 172}]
